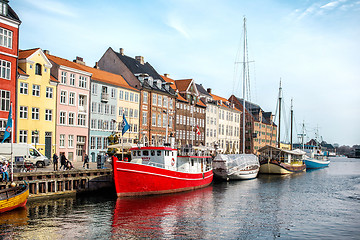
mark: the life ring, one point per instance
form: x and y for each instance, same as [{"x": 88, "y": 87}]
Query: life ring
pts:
[{"x": 172, "y": 162}]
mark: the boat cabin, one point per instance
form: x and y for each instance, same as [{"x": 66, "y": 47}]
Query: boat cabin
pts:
[
  {"x": 281, "y": 155},
  {"x": 167, "y": 158}
]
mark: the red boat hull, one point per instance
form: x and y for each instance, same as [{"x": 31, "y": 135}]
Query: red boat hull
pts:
[{"x": 132, "y": 179}]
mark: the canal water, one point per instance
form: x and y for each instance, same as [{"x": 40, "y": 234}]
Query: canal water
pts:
[{"x": 318, "y": 204}]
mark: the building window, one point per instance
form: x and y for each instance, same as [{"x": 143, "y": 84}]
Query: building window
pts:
[
  {"x": 164, "y": 120},
  {"x": 38, "y": 69},
  {"x": 106, "y": 109},
  {"x": 131, "y": 97},
  {"x": 144, "y": 118},
  {"x": 62, "y": 118},
  {"x": 63, "y": 97},
  {"x": 23, "y": 112},
  {"x": 94, "y": 89},
  {"x": 82, "y": 81},
  {"x": 35, "y": 137},
  {"x": 136, "y": 97},
  {"x": 98, "y": 143},
  {"x": 113, "y": 91},
  {"x": 48, "y": 114},
  {"x": 63, "y": 77},
  {"x": 49, "y": 92},
  {"x": 112, "y": 110},
  {"x": 160, "y": 100},
  {"x": 153, "y": 121},
  {"x": 22, "y": 136},
  {"x": 93, "y": 107},
  {"x": 145, "y": 97},
  {"x": 5, "y": 68},
  {"x": 36, "y": 90},
  {"x": 159, "y": 120},
  {"x": 5, "y": 35},
  {"x": 154, "y": 98},
  {"x": 71, "y": 98},
  {"x": 165, "y": 102},
  {"x": 121, "y": 94},
  {"x": 62, "y": 140},
  {"x": 81, "y": 119},
  {"x": 35, "y": 114},
  {"x": 71, "y": 118},
  {"x": 81, "y": 100},
  {"x": 71, "y": 141},
  {"x": 170, "y": 122},
  {"x": 4, "y": 100},
  {"x": 126, "y": 96},
  {"x": 72, "y": 79},
  {"x": 92, "y": 142},
  {"x": 23, "y": 88}
]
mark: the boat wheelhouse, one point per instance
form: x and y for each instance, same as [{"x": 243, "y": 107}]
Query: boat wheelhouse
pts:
[{"x": 159, "y": 170}]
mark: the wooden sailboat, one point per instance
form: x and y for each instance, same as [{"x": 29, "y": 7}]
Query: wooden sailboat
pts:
[
  {"x": 274, "y": 160},
  {"x": 238, "y": 166},
  {"x": 15, "y": 197}
]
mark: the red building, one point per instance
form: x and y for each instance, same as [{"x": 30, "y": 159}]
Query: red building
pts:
[{"x": 9, "y": 51}]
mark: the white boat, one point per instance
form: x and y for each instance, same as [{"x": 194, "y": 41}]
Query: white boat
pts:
[{"x": 236, "y": 166}]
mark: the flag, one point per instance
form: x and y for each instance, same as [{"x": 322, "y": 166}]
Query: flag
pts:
[
  {"x": 124, "y": 125},
  {"x": 197, "y": 130},
  {"x": 8, "y": 126}
]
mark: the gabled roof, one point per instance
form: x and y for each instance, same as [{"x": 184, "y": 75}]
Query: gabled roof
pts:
[
  {"x": 183, "y": 84},
  {"x": 24, "y": 54},
  {"x": 107, "y": 77},
  {"x": 11, "y": 14},
  {"x": 224, "y": 100},
  {"x": 53, "y": 78},
  {"x": 169, "y": 80},
  {"x": 202, "y": 90},
  {"x": 22, "y": 72}
]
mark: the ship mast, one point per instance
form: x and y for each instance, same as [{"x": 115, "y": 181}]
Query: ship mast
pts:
[
  {"x": 244, "y": 86},
  {"x": 280, "y": 97},
  {"x": 291, "y": 129}
]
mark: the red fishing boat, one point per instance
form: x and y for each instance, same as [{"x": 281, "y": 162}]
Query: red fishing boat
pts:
[{"x": 159, "y": 170}]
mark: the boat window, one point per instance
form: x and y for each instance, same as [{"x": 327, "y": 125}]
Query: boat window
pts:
[
  {"x": 134, "y": 153},
  {"x": 166, "y": 153},
  {"x": 152, "y": 152},
  {"x": 139, "y": 153},
  {"x": 172, "y": 153},
  {"x": 146, "y": 153},
  {"x": 159, "y": 153},
  {"x": 192, "y": 162}
]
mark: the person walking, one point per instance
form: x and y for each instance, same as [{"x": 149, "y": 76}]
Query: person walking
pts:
[
  {"x": 55, "y": 162},
  {"x": 63, "y": 161},
  {"x": 86, "y": 161}
]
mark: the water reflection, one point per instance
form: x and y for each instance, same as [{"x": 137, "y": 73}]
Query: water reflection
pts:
[{"x": 162, "y": 216}]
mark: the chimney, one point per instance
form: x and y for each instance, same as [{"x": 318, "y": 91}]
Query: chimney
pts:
[
  {"x": 96, "y": 65},
  {"x": 166, "y": 75},
  {"x": 209, "y": 90},
  {"x": 79, "y": 60},
  {"x": 140, "y": 59},
  {"x": 121, "y": 51},
  {"x": 47, "y": 52}
]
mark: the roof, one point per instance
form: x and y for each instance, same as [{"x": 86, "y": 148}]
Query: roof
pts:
[
  {"x": 224, "y": 100},
  {"x": 53, "y": 78},
  {"x": 137, "y": 68},
  {"x": 169, "y": 80},
  {"x": 22, "y": 72},
  {"x": 64, "y": 62},
  {"x": 12, "y": 15},
  {"x": 183, "y": 84},
  {"x": 23, "y": 54},
  {"x": 202, "y": 90},
  {"x": 107, "y": 77}
]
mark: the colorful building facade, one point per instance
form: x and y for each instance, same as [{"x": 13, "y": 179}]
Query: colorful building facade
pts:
[
  {"x": 9, "y": 51},
  {"x": 72, "y": 108},
  {"x": 36, "y": 102}
]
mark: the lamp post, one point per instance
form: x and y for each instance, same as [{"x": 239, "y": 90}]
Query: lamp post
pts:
[{"x": 36, "y": 136}]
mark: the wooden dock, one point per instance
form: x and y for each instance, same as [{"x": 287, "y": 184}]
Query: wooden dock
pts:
[{"x": 46, "y": 184}]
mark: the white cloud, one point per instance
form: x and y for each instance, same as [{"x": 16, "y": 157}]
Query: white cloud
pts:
[
  {"x": 53, "y": 6},
  {"x": 175, "y": 23}
]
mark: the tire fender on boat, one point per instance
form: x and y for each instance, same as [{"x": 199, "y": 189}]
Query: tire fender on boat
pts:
[{"x": 172, "y": 162}]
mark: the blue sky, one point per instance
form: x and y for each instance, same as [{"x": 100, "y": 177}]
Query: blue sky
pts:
[{"x": 313, "y": 46}]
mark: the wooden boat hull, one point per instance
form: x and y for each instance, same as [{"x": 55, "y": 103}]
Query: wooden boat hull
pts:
[
  {"x": 312, "y": 163},
  {"x": 132, "y": 179},
  {"x": 13, "y": 198},
  {"x": 282, "y": 168}
]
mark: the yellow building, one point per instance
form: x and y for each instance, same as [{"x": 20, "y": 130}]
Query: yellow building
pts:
[{"x": 36, "y": 101}]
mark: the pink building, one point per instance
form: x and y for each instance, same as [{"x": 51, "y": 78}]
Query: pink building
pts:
[{"x": 72, "y": 114}]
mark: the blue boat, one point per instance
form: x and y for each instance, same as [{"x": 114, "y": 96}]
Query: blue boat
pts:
[{"x": 313, "y": 163}]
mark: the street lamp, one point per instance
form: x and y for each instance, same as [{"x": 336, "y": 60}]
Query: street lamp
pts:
[{"x": 36, "y": 132}]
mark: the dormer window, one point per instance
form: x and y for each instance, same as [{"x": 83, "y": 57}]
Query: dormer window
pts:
[
  {"x": 159, "y": 84},
  {"x": 38, "y": 69},
  {"x": 4, "y": 7}
]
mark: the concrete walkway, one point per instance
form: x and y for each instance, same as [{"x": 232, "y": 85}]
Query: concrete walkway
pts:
[{"x": 77, "y": 166}]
